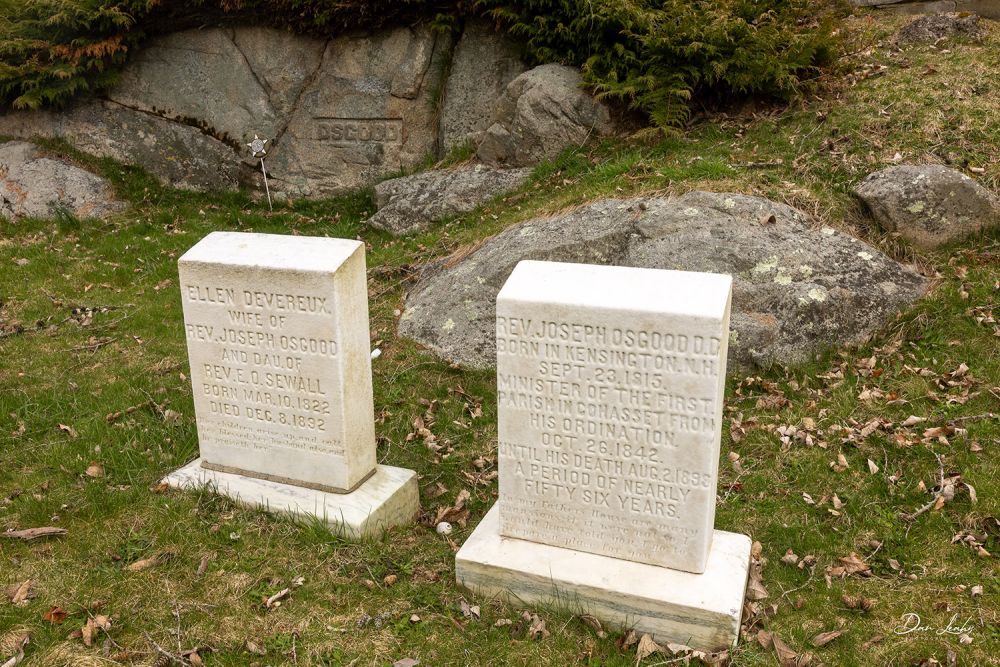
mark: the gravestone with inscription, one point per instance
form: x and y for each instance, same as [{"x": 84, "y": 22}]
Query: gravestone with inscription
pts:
[
  {"x": 277, "y": 334},
  {"x": 610, "y": 388}
]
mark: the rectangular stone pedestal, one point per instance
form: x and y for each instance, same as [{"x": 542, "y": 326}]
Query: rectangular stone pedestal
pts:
[
  {"x": 700, "y": 610},
  {"x": 388, "y": 498}
]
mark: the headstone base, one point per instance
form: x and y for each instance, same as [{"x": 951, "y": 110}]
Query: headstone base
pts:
[
  {"x": 388, "y": 498},
  {"x": 699, "y": 610}
]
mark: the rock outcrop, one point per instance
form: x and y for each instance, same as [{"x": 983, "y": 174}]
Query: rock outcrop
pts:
[
  {"x": 928, "y": 205},
  {"x": 541, "y": 113},
  {"x": 33, "y": 185},
  {"x": 339, "y": 114},
  {"x": 798, "y": 288},
  {"x": 411, "y": 203}
]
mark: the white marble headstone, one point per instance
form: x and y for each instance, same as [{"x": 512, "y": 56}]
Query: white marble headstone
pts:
[
  {"x": 610, "y": 386},
  {"x": 277, "y": 335}
]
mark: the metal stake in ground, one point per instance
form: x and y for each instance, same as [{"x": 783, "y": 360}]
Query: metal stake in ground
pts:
[{"x": 257, "y": 148}]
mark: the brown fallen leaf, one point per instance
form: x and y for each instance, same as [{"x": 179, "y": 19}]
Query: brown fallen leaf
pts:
[
  {"x": 595, "y": 624},
  {"x": 34, "y": 533},
  {"x": 143, "y": 564},
  {"x": 94, "y": 470},
  {"x": 825, "y": 638},
  {"x": 406, "y": 662},
  {"x": 65, "y": 428},
  {"x": 20, "y": 593},
  {"x": 91, "y": 628},
  {"x": 646, "y": 648},
  {"x": 55, "y": 615},
  {"x": 536, "y": 627}
]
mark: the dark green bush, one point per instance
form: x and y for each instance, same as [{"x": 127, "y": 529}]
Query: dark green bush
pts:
[{"x": 654, "y": 56}]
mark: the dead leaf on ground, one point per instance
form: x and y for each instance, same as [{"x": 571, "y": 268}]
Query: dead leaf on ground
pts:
[
  {"x": 65, "y": 428},
  {"x": 55, "y": 615},
  {"x": 595, "y": 624},
  {"x": 94, "y": 470},
  {"x": 34, "y": 533},
  {"x": 91, "y": 628},
  {"x": 645, "y": 648},
  {"x": 536, "y": 626},
  {"x": 469, "y": 611},
  {"x": 825, "y": 638},
  {"x": 19, "y": 594},
  {"x": 406, "y": 662}
]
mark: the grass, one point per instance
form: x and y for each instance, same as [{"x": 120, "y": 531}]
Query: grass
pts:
[{"x": 91, "y": 326}]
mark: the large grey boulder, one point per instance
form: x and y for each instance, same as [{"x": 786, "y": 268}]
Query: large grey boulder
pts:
[
  {"x": 797, "y": 288},
  {"x": 541, "y": 113},
  {"x": 484, "y": 62},
  {"x": 33, "y": 185},
  {"x": 411, "y": 203},
  {"x": 177, "y": 154},
  {"x": 936, "y": 27},
  {"x": 928, "y": 205}
]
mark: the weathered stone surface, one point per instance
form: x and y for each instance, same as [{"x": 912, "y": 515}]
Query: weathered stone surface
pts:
[
  {"x": 699, "y": 610},
  {"x": 282, "y": 61},
  {"x": 411, "y": 203},
  {"x": 928, "y": 205},
  {"x": 587, "y": 340},
  {"x": 940, "y": 26},
  {"x": 367, "y": 113},
  {"x": 388, "y": 498},
  {"x": 541, "y": 113},
  {"x": 32, "y": 185},
  {"x": 797, "y": 289},
  {"x": 485, "y": 61},
  {"x": 177, "y": 154},
  {"x": 197, "y": 76},
  {"x": 277, "y": 336}
]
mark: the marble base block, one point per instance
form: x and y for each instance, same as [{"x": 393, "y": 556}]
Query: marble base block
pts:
[
  {"x": 700, "y": 610},
  {"x": 388, "y": 498}
]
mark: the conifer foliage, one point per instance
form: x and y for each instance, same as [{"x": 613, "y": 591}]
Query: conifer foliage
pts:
[{"x": 655, "y": 56}]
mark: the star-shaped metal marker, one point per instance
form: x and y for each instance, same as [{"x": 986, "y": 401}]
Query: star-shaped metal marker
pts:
[
  {"x": 257, "y": 149},
  {"x": 257, "y": 146}
]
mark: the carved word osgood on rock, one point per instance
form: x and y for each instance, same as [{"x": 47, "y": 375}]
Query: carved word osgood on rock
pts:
[
  {"x": 929, "y": 205},
  {"x": 797, "y": 289},
  {"x": 277, "y": 333},
  {"x": 33, "y": 185}
]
